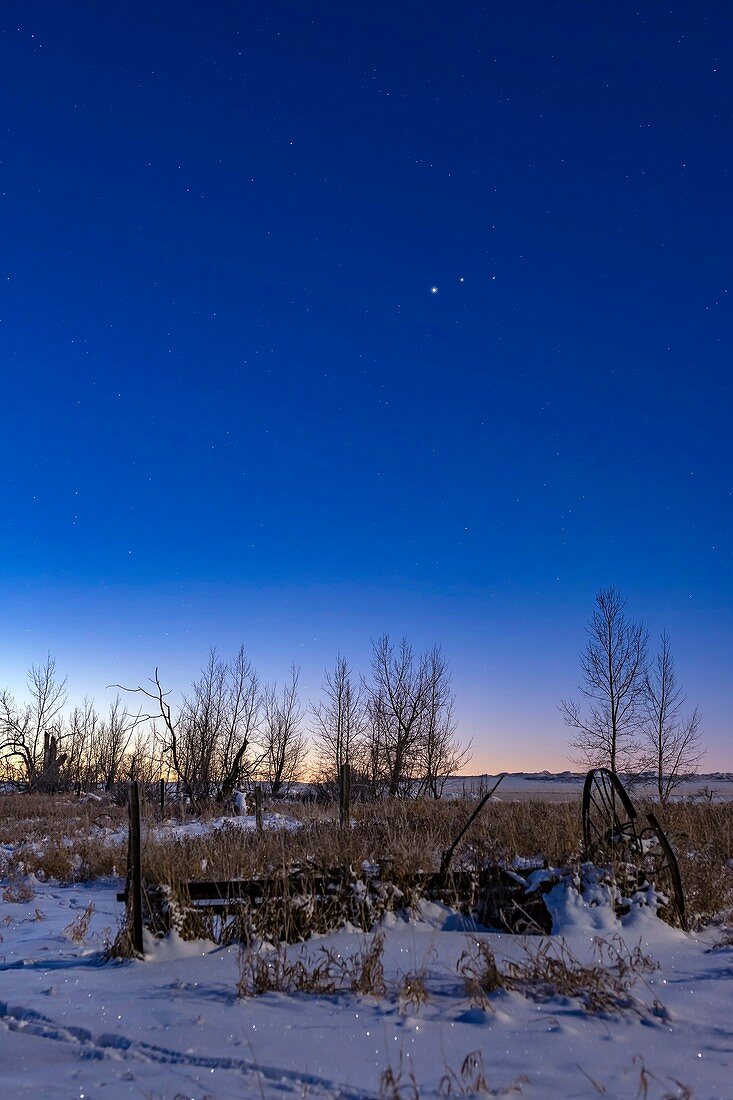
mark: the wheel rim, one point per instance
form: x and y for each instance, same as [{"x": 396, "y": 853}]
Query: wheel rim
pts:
[{"x": 609, "y": 817}]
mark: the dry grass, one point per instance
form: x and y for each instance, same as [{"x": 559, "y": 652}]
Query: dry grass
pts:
[
  {"x": 480, "y": 972},
  {"x": 604, "y": 987},
  {"x": 18, "y": 890},
  {"x": 702, "y": 836},
  {"x": 60, "y": 837},
  {"x": 35, "y": 816},
  {"x": 326, "y": 972},
  {"x": 410, "y": 836},
  {"x": 63, "y": 838},
  {"x": 413, "y": 992},
  {"x": 470, "y": 1080},
  {"x": 550, "y": 969},
  {"x": 78, "y": 929},
  {"x": 400, "y": 1083}
]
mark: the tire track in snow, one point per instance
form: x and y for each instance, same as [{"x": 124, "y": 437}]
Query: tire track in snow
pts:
[{"x": 109, "y": 1046}]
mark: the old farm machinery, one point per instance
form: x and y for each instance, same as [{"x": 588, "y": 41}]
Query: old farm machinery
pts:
[
  {"x": 615, "y": 835},
  {"x": 305, "y": 898}
]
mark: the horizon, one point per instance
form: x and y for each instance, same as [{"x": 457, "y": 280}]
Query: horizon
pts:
[{"x": 492, "y": 699}]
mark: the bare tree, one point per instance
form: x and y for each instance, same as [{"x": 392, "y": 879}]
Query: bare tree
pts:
[
  {"x": 111, "y": 743},
  {"x": 441, "y": 754},
  {"x": 283, "y": 743},
  {"x": 206, "y": 740},
  {"x": 166, "y": 737},
  {"x": 236, "y": 759},
  {"x": 672, "y": 737},
  {"x": 201, "y": 719},
  {"x": 399, "y": 696},
  {"x": 613, "y": 665},
  {"x": 367, "y": 759},
  {"x": 141, "y": 762},
  {"x": 30, "y": 733},
  {"x": 339, "y": 721},
  {"x": 79, "y": 736}
]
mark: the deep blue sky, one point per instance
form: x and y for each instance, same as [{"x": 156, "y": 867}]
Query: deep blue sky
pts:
[{"x": 236, "y": 409}]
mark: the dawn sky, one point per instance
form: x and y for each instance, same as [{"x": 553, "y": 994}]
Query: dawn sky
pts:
[{"x": 320, "y": 320}]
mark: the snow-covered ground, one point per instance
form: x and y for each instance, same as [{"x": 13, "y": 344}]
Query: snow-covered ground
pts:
[
  {"x": 197, "y": 827},
  {"x": 247, "y": 822},
  {"x": 172, "y": 1026},
  {"x": 563, "y": 786}
]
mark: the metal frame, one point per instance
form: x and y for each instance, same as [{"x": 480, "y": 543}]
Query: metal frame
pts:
[
  {"x": 611, "y": 831},
  {"x": 609, "y": 816}
]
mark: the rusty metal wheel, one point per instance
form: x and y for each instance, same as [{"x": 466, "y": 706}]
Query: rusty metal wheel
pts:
[
  {"x": 659, "y": 863},
  {"x": 609, "y": 819}
]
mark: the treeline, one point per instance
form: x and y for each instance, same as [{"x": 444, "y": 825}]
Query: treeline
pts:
[{"x": 395, "y": 727}]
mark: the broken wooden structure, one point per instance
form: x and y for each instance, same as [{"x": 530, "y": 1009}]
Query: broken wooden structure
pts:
[{"x": 305, "y": 898}]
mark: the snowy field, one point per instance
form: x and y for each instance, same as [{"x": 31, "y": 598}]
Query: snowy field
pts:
[
  {"x": 172, "y": 1026},
  {"x": 73, "y": 1025},
  {"x": 564, "y": 786}
]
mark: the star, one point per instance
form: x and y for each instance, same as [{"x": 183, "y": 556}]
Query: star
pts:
[{"x": 433, "y": 290}]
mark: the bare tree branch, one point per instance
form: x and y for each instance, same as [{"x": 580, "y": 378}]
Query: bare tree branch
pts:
[
  {"x": 613, "y": 665},
  {"x": 673, "y": 738}
]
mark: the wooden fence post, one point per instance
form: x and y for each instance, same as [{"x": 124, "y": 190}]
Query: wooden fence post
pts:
[
  {"x": 162, "y": 798},
  {"x": 134, "y": 869},
  {"x": 258, "y": 807},
  {"x": 344, "y": 795}
]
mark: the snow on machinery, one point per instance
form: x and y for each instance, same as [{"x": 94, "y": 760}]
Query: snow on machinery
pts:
[{"x": 638, "y": 862}]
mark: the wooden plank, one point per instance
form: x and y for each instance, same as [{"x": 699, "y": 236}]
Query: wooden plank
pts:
[
  {"x": 255, "y": 888},
  {"x": 204, "y": 891},
  {"x": 305, "y": 884}
]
